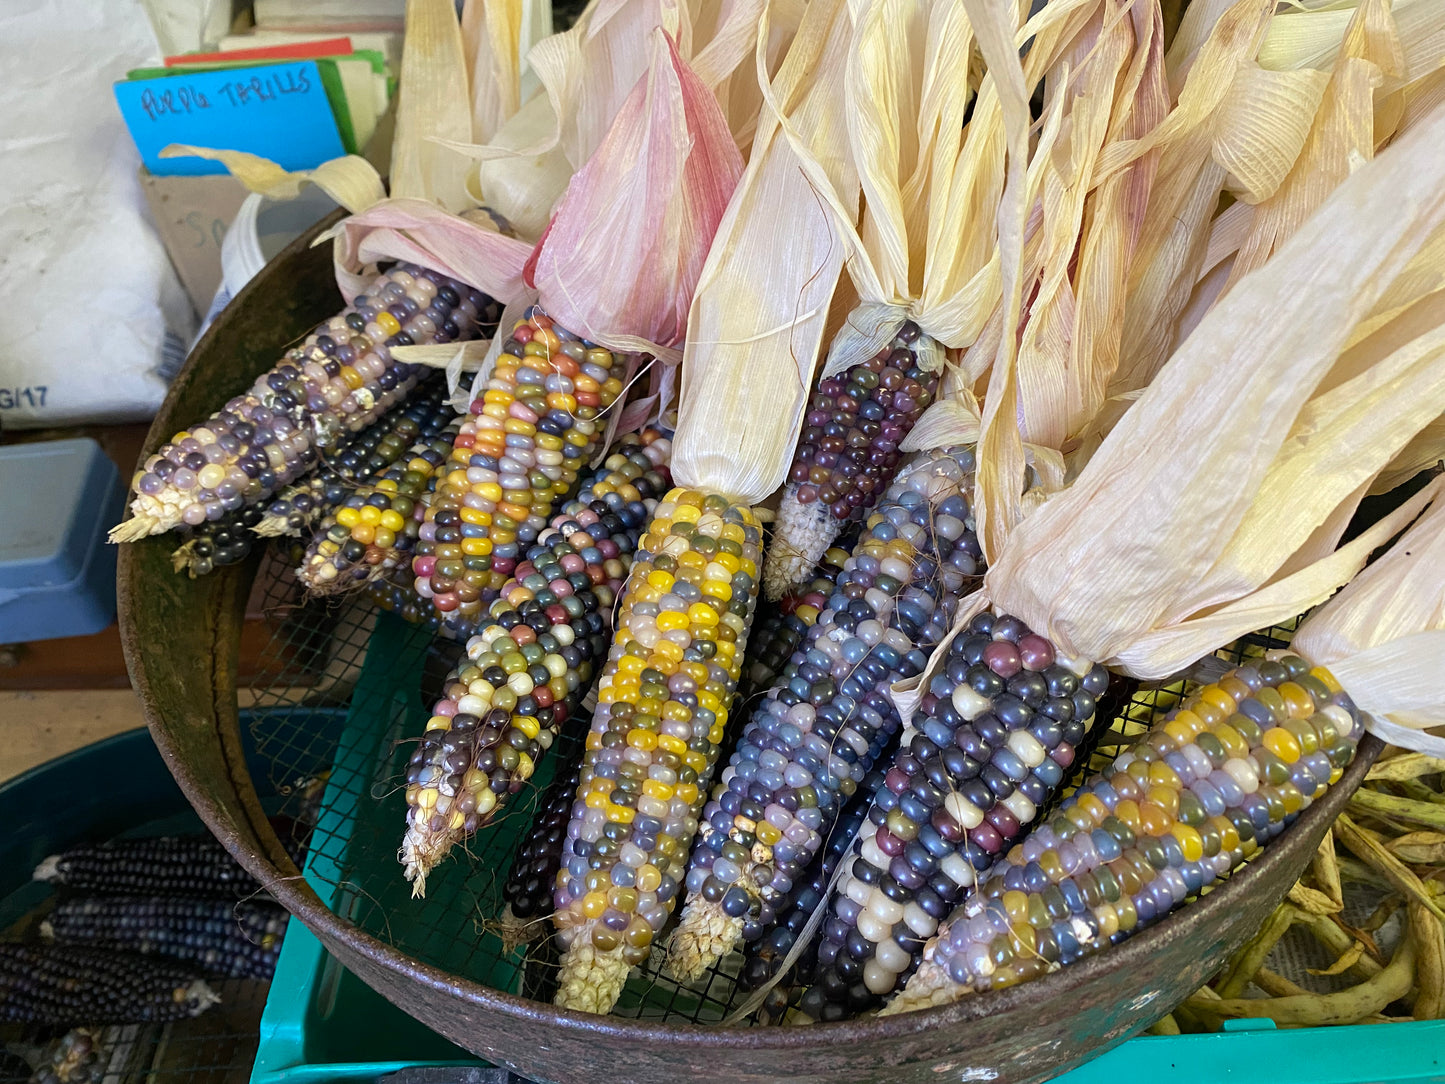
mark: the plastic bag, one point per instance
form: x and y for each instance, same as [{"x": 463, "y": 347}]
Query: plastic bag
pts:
[{"x": 96, "y": 318}]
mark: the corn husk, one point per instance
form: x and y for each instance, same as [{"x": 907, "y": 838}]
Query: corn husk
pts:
[
  {"x": 1383, "y": 636},
  {"x": 1182, "y": 532},
  {"x": 760, "y": 308},
  {"x": 621, "y": 257}
]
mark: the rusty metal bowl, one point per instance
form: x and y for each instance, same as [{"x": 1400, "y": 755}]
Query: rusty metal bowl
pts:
[{"x": 181, "y": 641}]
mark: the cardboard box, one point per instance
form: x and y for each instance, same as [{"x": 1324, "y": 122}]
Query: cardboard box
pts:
[{"x": 192, "y": 215}]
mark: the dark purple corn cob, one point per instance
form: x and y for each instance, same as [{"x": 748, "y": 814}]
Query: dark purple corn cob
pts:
[
  {"x": 847, "y": 454},
  {"x": 989, "y": 745}
]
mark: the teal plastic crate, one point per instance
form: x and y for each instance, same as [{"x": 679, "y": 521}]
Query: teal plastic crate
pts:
[{"x": 323, "y": 1024}]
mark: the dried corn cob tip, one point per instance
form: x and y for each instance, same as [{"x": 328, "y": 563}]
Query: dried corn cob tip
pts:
[
  {"x": 221, "y": 937},
  {"x": 831, "y": 716},
  {"x": 846, "y": 454},
  {"x": 526, "y": 437},
  {"x": 530, "y": 668},
  {"x": 56, "y": 985},
  {"x": 780, "y": 627},
  {"x": 298, "y": 507},
  {"x": 990, "y": 744},
  {"x": 339, "y": 381},
  {"x": 1211, "y": 782},
  {"x": 528, "y": 888},
  {"x": 765, "y": 957},
  {"x": 375, "y": 529},
  {"x": 663, "y": 705}
]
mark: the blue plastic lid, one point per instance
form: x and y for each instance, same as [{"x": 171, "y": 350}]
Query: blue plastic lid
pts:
[{"x": 51, "y": 493}]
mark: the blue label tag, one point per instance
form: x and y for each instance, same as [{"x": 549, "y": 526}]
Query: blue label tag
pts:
[{"x": 277, "y": 111}]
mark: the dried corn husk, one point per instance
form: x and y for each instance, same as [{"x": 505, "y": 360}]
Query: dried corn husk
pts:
[
  {"x": 434, "y": 104},
  {"x": 1174, "y": 538},
  {"x": 621, "y": 257},
  {"x": 1383, "y": 636},
  {"x": 760, "y": 308}
]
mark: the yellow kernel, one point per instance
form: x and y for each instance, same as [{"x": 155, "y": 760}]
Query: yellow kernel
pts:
[
  {"x": 718, "y": 589},
  {"x": 1189, "y": 842},
  {"x": 1321, "y": 674},
  {"x": 696, "y": 761},
  {"x": 688, "y": 792},
  {"x": 597, "y": 800},
  {"x": 671, "y": 744},
  {"x": 654, "y": 789},
  {"x": 669, "y": 620},
  {"x": 370, "y": 514},
  {"x": 1282, "y": 744},
  {"x": 348, "y": 517},
  {"x": 648, "y": 877},
  {"x": 387, "y": 322},
  {"x": 477, "y": 547},
  {"x": 700, "y": 613},
  {"x": 527, "y": 724},
  {"x": 768, "y": 834},
  {"x": 392, "y": 520},
  {"x": 620, "y": 814},
  {"x": 645, "y": 740},
  {"x": 594, "y": 904}
]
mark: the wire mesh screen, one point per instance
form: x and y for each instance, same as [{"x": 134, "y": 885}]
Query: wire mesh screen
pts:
[
  {"x": 217, "y": 1047},
  {"x": 344, "y": 693}
]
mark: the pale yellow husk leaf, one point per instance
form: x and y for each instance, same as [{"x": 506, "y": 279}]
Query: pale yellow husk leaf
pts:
[
  {"x": 1383, "y": 636},
  {"x": 907, "y": 94},
  {"x": 351, "y": 181},
  {"x": 1163, "y": 526},
  {"x": 998, "y": 507},
  {"x": 434, "y": 103},
  {"x": 760, "y": 308},
  {"x": 1425, "y": 451}
]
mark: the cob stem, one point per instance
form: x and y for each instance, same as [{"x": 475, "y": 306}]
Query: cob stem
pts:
[
  {"x": 706, "y": 935},
  {"x": 847, "y": 453}
]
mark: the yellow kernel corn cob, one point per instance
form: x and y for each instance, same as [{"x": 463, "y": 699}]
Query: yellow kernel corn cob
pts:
[
  {"x": 663, "y": 704},
  {"x": 526, "y": 437}
]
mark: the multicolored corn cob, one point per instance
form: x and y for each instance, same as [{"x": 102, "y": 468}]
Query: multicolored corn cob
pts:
[
  {"x": 1211, "y": 783},
  {"x": 531, "y": 665},
  {"x": 297, "y": 508},
  {"x": 194, "y": 867},
  {"x": 230, "y": 539},
  {"x": 847, "y": 454},
  {"x": 528, "y": 888},
  {"x": 375, "y": 528},
  {"x": 59, "y": 985},
  {"x": 989, "y": 745},
  {"x": 221, "y": 937},
  {"x": 830, "y": 717},
  {"x": 662, "y": 710},
  {"x": 340, "y": 380},
  {"x": 763, "y": 958},
  {"x": 526, "y": 437},
  {"x": 781, "y": 626}
]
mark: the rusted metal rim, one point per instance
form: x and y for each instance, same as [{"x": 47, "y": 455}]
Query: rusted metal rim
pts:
[{"x": 240, "y": 826}]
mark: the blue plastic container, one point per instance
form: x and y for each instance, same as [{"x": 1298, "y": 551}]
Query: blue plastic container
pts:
[{"x": 57, "y": 574}]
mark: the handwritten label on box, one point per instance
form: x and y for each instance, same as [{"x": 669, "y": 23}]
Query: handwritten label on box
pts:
[{"x": 277, "y": 111}]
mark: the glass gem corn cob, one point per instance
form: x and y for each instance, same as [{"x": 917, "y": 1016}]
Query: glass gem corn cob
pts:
[
  {"x": 662, "y": 711},
  {"x": 846, "y": 454},
  {"x": 530, "y": 666},
  {"x": 990, "y": 743},
  {"x": 527, "y": 435},
  {"x": 830, "y": 716},
  {"x": 1211, "y": 783},
  {"x": 339, "y": 381}
]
